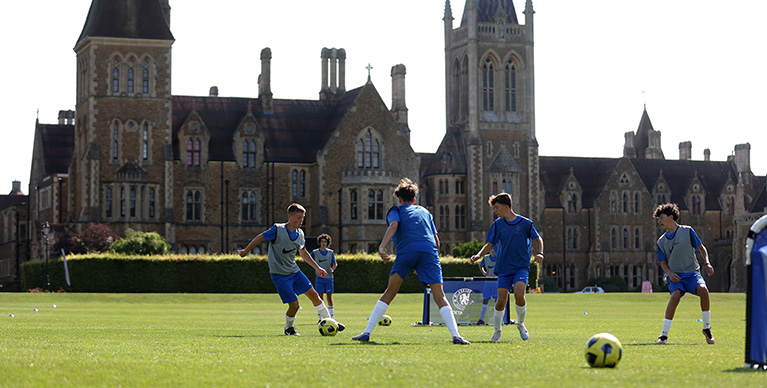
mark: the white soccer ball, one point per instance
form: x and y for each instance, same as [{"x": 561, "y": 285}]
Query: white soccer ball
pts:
[
  {"x": 385, "y": 321},
  {"x": 603, "y": 350},
  {"x": 328, "y": 327}
]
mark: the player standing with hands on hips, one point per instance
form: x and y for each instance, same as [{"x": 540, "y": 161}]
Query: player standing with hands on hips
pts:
[
  {"x": 285, "y": 240},
  {"x": 676, "y": 253},
  {"x": 415, "y": 237},
  {"x": 510, "y": 236}
]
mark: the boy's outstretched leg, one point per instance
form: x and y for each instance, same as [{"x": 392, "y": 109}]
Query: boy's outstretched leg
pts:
[
  {"x": 521, "y": 306},
  {"x": 447, "y": 313},
  {"x": 673, "y": 302},
  {"x": 323, "y": 312},
  {"x": 705, "y": 313},
  {"x": 290, "y": 318}
]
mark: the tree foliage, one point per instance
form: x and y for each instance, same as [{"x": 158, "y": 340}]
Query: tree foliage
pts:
[
  {"x": 467, "y": 249},
  {"x": 141, "y": 243},
  {"x": 94, "y": 238}
]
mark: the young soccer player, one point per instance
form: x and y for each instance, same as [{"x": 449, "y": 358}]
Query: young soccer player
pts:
[
  {"x": 285, "y": 240},
  {"x": 326, "y": 259},
  {"x": 676, "y": 252},
  {"x": 487, "y": 267},
  {"x": 510, "y": 236},
  {"x": 415, "y": 238}
]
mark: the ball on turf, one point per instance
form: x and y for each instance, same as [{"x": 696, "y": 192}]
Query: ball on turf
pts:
[
  {"x": 385, "y": 321},
  {"x": 328, "y": 327},
  {"x": 603, "y": 350}
]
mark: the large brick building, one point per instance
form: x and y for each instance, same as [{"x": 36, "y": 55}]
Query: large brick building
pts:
[{"x": 209, "y": 172}]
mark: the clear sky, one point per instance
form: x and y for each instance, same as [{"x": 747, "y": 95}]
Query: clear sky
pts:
[{"x": 698, "y": 65}]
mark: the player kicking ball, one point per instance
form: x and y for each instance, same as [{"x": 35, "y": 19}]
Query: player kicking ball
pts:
[
  {"x": 285, "y": 241},
  {"x": 415, "y": 237}
]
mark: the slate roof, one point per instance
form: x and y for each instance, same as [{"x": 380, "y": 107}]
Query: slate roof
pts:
[
  {"x": 591, "y": 173},
  {"x": 487, "y": 10},
  {"x": 759, "y": 203},
  {"x": 450, "y": 157},
  {"x": 7, "y": 201},
  {"x": 294, "y": 132},
  {"x": 138, "y": 19},
  {"x": 58, "y": 143}
]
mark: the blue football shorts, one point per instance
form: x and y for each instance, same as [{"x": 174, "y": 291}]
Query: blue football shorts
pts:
[
  {"x": 508, "y": 281},
  {"x": 688, "y": 282},
  {"x": 426, "y": 264},
  {"x": 289, "y": 286},
  {"x": 323, "y": 285},
  {"x": 490, "y": 291}
]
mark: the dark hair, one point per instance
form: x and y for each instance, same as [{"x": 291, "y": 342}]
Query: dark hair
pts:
[
  {"x": 324, "y": 236},
  {"x": 407, "y": 190},
  {"x": 669, "y": 209},
  {"x": 295, "y": 208},
  {"x": 502, "y": 198}
]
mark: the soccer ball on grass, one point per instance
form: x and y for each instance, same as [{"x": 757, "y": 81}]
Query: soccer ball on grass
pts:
[
  {"x": 603, "y": 350},
  {"x": 385, "y": 321},
  {"x": 328, "y": 326}
]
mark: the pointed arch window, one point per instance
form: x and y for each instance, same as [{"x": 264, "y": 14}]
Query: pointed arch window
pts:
[
  {"x": 375, "y": 204},
  {"x": 193, "y": 152},
  {"x": 193, "y": 205},
  {"x": 637, "y": 238},
  {"x": 133, "y": 201},
  {"x": 625, "y": 203},
  {"x": 696, "y": 205},
  {"x": 108, "y": 203},
  {"x": 511, "y": 87},
  {"x": 353, "y": 204},
  {"x": 249, "y": 206},
  {"x": 151, "y": 203},
  {"x": 145, "y": 141},
  {"x": 487, "y": 86},
  {"x": 625, "y": 238},
  {"x": 249, "y": 154},
  {"x": 145, "y": 78},
  {"x": 613, "y": 239},
  {"x": 115, "y": 76},
  {"x": 636, "y": 203},
  {"x": 506, "y": 186},
  {"x": 495, "y": 186},
  {"x": 441, "y": 217},
  {"x": 368, "y": 151},
  {"x": 115, "y": 137},
  {"x": 122, "y": 202},
  {"x": 131, "y": 76}
]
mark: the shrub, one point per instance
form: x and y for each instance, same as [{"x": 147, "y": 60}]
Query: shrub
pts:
[
  {"x": 141, "y": 243},
  {"x": 612, "y": 284},
  {"x": 467, "y": 249},
  {"x": 94, "y": 238}
]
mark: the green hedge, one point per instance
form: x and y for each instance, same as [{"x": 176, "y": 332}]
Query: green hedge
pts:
[{"x": 212, "y": 274}]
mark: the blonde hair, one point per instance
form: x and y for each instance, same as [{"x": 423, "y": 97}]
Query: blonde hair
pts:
[{"x": 407, "y": 190}]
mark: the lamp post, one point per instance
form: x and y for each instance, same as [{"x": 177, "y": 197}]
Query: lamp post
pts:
[{"x": 46, "y": 231}]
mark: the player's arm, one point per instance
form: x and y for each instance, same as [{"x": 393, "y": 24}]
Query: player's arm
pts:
[
  {"x": 436, "y": 240},
  {"x": 253, "y": 243},
  {"x": 671, "y": 275},
  {"x": 387, "y": 239},
  {"x": 706, "y": 262},
  {"x": 308, "y": 258},
  {"x": 482, "y": 268},
  {"x": 487, "y": 248},
  {"x": 335, "y": 264},
  {"x": 539, "y": 256}
]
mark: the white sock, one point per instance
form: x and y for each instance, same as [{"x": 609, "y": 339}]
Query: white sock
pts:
[
  {"x": 289, "y": 321},
  {"x": 330, "y": 310},
  {"x": 498, "y": 318},
  {"x": 521, "y": 312},
  {"x": 378, "y": 311},
  {"x": 322, "y": 310},
  {"x": 666, "y": 326},
  {"x": 447, "y": 315},
  {"x": 706, "y": 319},
  {"x": 483, "y": 312}
]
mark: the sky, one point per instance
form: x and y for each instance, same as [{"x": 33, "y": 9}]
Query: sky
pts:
[{"x": 698, "y": 66}]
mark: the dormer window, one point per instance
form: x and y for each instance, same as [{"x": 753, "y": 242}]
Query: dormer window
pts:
[{"x": 249, "y": 154}]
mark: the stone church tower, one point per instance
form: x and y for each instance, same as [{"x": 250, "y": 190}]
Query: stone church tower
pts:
[
  {"x": 121, "y": 166},
  {"x": 489, "y": 73}
]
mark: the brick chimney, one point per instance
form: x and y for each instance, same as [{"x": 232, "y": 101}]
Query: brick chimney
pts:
[
  {"x": 213, "y": 91},
  {"x": 707, "y": 155},
  {"x": 685, "y": 150}
]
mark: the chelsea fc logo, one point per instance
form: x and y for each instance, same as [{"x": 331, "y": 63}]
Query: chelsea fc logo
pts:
[{"x": 462, "y": 298}]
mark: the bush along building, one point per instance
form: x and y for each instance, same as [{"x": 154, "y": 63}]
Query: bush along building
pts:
[{"x": 209, "y": 172}]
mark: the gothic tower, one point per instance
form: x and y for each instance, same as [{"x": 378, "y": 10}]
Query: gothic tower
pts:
[
  {"x": 121, "y": 167},
  {"x": 489, "y": 71}
]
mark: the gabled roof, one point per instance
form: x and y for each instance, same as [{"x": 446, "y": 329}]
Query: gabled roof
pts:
[
  {"x": 7, "y": 201},
  {"x": 487, "y": 9},
  {"x": 503, "y": 162},
  {"x": 679, "y": 174},
  {"x": 450, "y": 157},
  {"x": 58, "y": 143},
  {"x": 294, "y": 131},
  {"x": 592, "y": 174},
  {"x": 137, "y": 19}
]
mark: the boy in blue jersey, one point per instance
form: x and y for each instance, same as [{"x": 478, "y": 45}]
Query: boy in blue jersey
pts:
[
  {"x": 676, "y": 252},
  {"x": 326, "y": 259},
  {"x": 415, "y": 238},
  {"x": 490, "y": 290},
  {"x": 285, "y": 240},
  {"x": 510, "y": 236}
]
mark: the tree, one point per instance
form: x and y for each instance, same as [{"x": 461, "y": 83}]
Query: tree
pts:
[
  {"x": 141, "y": 243},
  {"x": 94, "y": 238}
]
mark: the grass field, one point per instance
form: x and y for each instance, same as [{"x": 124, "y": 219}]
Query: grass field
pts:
[{"x": 189, "y": 340}]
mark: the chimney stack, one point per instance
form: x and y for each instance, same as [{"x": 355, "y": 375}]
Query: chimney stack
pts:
[
  {"x": 66, "y": 117},
  {"x": 398, "y": 106},
  {"x": 628, "y": 146},
  {"x": 214, "y": 91},
  {"x": 685, "y": 150},
  {"x": 743, "y": 158},
  {"x": 707, "y": 155},
  {"x": 16, "y": 188},
  {"x": 264, "y": 81},
  {"x": 333, "y": 73}
]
